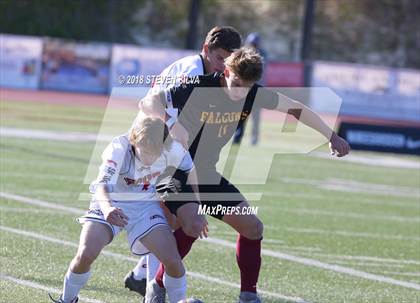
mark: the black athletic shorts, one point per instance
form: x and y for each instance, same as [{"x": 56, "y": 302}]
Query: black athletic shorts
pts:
[{"x": 214, "y": 190}]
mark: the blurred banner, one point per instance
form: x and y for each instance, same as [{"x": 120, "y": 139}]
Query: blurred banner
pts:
[
  {"x": 75, "y": 66},
  {"x": 374, "y": 92},
  {"x": 20, "y": 61},
  {"x": 283, "y": 74},
  {"x": 382, "y": 137},
  {"x": 133, "y": 66}
]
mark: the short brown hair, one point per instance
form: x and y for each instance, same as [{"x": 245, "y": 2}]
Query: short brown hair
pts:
[
  {"x": 224, "y": 37},
  {"x": 246, "y": 63},
  {"x": 151, "y": 133}
]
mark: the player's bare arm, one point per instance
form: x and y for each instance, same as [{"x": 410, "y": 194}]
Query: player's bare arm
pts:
[
  {"x": 193, "y": 181},
  {"x": 112, "y": 214},
  {"x": 338, "y": 145},
  {"x": 153, "y": 106}
]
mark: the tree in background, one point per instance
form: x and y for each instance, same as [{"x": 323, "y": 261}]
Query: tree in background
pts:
[{"x": 384, "y": 32}]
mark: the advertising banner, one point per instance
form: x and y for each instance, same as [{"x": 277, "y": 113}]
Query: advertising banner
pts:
[
  {"x": 384, "y": 138},
  {"x": 75, "y": 66},
  {"x": 133, "y": 66},
  {"x": 20, "y": 61},
  {"x": 283, "y": 74},
  {"x": 375, "y": 92}
]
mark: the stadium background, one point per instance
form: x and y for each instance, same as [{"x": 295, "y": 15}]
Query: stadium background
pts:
[{"x": 60, "y": 61}]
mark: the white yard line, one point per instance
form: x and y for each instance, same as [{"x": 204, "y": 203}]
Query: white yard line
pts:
[
  {"x": 408, "y": 274},
  {"x": 46, "y": 176},
  {"x": 374, "y": 160},
  {"x": 27, "y": 133},
  {"x": 40, "y": 203},
  {"x": 42, "y": 287},
  {"x": 346, "y": 233},
  {"x": 311, "y": 196},
  {"x": 367, "y": 258},
  {"x": 350, "y": 215},
  {"x": 357, "y": 187},
  {"x": 319, "y": 264},
  {"x": 28, "y": 210},
  {"x": 135, "y": 260},
  {"x": 266, "y": 252}
]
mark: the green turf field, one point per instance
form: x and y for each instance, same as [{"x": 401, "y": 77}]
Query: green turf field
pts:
[{"x": 335, "y": 231}]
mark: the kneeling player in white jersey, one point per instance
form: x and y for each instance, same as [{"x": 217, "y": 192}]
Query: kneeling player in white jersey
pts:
[
  {"x": 219, "y": 43},
  {"x": 124, "y": 198}
]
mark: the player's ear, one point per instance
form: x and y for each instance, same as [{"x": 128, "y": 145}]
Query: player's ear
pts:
[
  {"x": 205, "y": 49},
  {"x": 226, "y": 72}
]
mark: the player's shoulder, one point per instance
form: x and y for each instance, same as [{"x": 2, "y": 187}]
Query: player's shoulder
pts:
[
  {"x": 121, "y": 142},
  {"x": 209, "y": 80},
  {"x": 189, "y": 66},
  {"x": 176, "y": 148}
]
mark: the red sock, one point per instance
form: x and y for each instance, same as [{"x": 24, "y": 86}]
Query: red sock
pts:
[
  {"x": 184, "y": 244},
  {"x": 248, "y": 256}
]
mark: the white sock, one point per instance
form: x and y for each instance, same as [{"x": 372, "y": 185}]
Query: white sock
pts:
[
  {"x": 152, "y": 266},
  {"x": 175, "y": 287},
  {"x": 73, "y": 283},
  {"x": 140, "y": 270}
]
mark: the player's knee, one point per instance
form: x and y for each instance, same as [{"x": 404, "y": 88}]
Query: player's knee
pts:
[
  {"x": 173, "y": 265},
  {"x": 194, "y": 227},
  {"x": 86, "y": 256},
  {"x": 255, "y": 230},
  {"x": 259, "y": 229}
]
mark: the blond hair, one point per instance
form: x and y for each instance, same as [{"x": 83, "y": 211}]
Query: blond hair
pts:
[
  {"x": 246, "y": 63},
  {"x": 151, "y": 134}
]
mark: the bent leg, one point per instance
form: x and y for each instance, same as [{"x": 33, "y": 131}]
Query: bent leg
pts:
[
  {"x": 93, "y": 238},
  {"x": 162, "y": 244}
]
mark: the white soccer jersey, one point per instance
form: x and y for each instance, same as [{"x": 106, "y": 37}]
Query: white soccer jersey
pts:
[
  {"x": 187, "y": 66},
  {"x": 127, "y": 178}
]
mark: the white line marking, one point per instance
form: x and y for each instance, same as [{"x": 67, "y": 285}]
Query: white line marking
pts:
[
  {"x": 10, "y": 132},
  {"x": 358, "y": 187},
  {"x": 28, "y": 210},
  {"x": 135, "y": 260},
  {"x": 91, "y": 137},
  {"x": 40, "y": 203},
  {"x": 384, "y": 161},
  {"x": 41, "y": 287},
  {"x": 367, "y": 258},
  {"x": 305, "y": 261},
  {"x": 46, "y": 176},
  {"x": 347, "y": 233},
  {"x": 408, "y": 274},
  {"x": 350, "y": 215},
  {"x": 319, "y": 264},
  {"x": 343, "y": 199}
]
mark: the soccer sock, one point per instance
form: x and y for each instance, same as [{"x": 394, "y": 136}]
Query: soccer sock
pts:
[
  {"x": 152, "y": 267},
  {"x": 184, "y": 243},
  {"x": 141, "y": 268},
  {"x": 73, "y": 283},
  {"x": 175, "y": 287},
  {"x": 248, "y": 256}
]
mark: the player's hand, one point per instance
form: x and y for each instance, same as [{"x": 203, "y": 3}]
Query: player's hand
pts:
[
  {"x": 115, "y": 216},
  {"x": 338, "y": 146},
  {"x": 179, "y": 133},
  {"x": 204, "y": 233}
]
